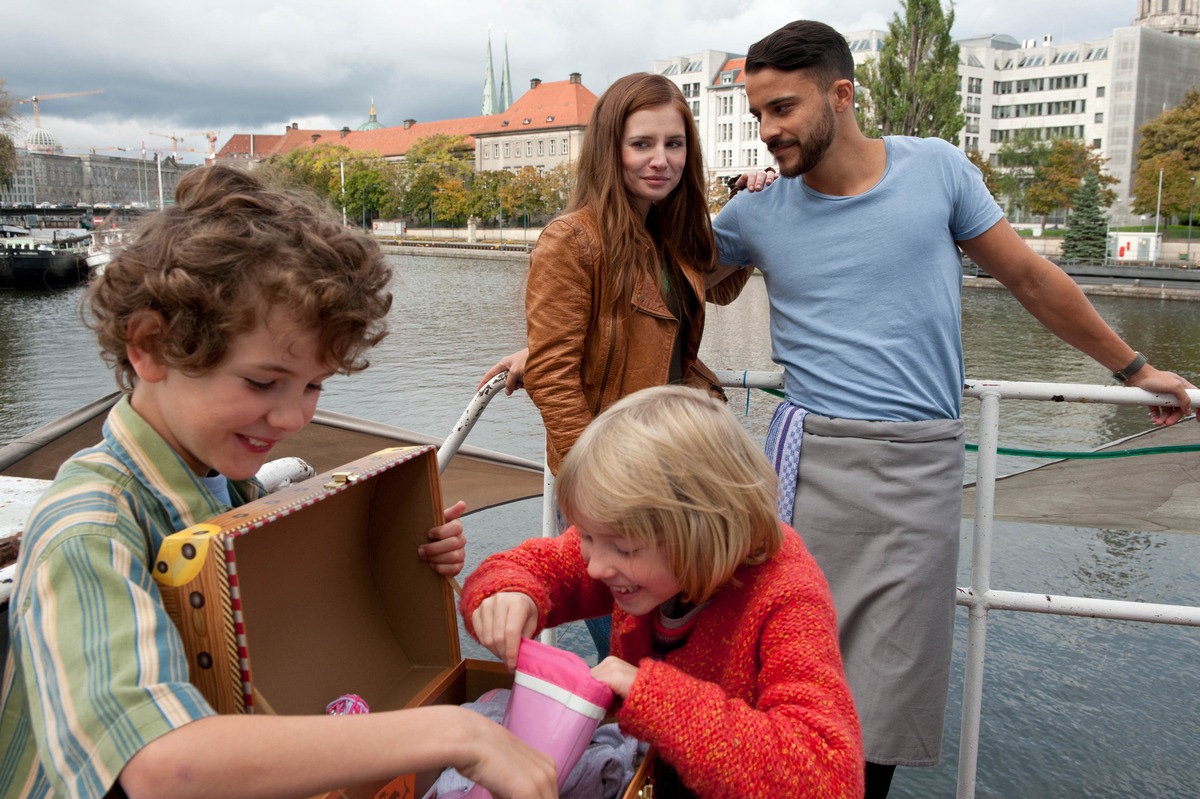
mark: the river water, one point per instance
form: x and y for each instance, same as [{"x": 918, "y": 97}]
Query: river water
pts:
[{"x": 1072, "y": 707}]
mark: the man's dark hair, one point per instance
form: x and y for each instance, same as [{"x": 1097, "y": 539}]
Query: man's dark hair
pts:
[{"x": 804, "y": 45}]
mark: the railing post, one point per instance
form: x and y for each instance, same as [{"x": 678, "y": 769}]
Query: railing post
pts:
[
  {"x": 549, "y": 530},
  {"x": 981, "y": 578}
]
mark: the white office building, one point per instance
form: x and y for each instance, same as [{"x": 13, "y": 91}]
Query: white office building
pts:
[{"x": 1100, "y": 92}]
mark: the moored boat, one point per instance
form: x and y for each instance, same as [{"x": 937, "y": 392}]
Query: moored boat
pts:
[{"x": 29, "y": 263}]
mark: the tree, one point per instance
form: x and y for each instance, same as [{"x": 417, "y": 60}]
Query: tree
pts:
[
  {"x": 450, "y": 199},
  {"x": 559, "y": 183},
  {"x": 1171, "y": 143},
  {"x": 8, "y": 150},
  {"x": 1057, "y": 179},
  {"x": 911, "y": 89},
  {"x": 428, "y": 162},
  {"x": 1017, "y": 162},
  {"x": 483, "y": 196},
  {"x": 1042, "y": 176},
  {"x": 986, "y": 171},
  {"x": 524, "y": 195},
  {"x": 1176, "y": 185},
  {"x": 1086, "y": 238},
  {"x": 327, "y": 168}
]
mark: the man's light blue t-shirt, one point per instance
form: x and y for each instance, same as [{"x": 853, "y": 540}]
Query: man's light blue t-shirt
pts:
[{"x": 865, "y": 290}]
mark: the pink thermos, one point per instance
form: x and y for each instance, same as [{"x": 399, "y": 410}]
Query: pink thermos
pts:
[{"x": 555, "y": 707}]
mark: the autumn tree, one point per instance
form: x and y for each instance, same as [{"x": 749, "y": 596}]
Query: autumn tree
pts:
[
  {"x": 483, "y": 195},
  {"x": 352, "y": 181},
  {"x": 986, "y": 171},
  {"x": 911, "y": 88},
  {"x": 1057, "y": 178},
  {"x": 1176, "y": 181},
  {"x": 428, "y": 162},
  {"x": 1170, "y": 143},
  {"x": 524, "y": 195},
  {"x": 8, "y": 150},
  {"x": 1017, "y": 163},
  {"x": 1086, "y": 238},
  {"x": 450, "y": 200},
  {"x": 559, "y": 182}
]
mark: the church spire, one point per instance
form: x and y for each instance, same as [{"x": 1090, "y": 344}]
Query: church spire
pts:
[
  {"x": 489, "y": 81},
  {"x": 505, "y": 80}
]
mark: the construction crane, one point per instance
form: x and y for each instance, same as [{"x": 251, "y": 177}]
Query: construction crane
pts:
[
  {"x": 37, "y": 99},
  {"x": 210, "y": 136},
  {"x": 174, "y": 142}
]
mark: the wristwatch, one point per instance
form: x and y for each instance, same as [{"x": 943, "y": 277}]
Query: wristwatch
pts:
[{"x": 1123, "y": 375}]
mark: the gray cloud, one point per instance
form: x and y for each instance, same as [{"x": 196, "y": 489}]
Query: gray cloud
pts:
[{"x": 254, "y": 66}]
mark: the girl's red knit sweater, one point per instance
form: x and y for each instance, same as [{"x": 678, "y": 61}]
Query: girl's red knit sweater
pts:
[{"x": 754, "y": 704}]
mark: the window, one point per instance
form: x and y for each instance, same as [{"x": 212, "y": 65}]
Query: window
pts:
[
  {"x": 695, "y": 108},
  {"x": 486, "y": 151},
  {"x": 541, "y": 147},
  {"x": 529, "y": 149},
  {"x": 751, "y": 157},
  {"x": 564, "y": 146},
  {"x": 1099, "y": 91},
  {"x": 496, "y": 150},
  {"x": 1096, "y": 143},
  {"x": 552, "y": 143},
  {"x": 1100, "y": 117},
  {"x": 975, "y": 85},
  {"x": 507, "y": 149}
]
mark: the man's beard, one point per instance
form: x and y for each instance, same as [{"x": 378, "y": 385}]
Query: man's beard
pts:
[{"x": 812, "y": 149}]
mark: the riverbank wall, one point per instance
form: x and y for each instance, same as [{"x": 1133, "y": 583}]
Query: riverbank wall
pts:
[{"x": 1162, "y": 283}]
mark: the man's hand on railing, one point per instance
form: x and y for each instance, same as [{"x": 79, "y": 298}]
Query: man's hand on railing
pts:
[
  {"x": 1157, "y": 381},
  {"x": 514, "y": 364}
]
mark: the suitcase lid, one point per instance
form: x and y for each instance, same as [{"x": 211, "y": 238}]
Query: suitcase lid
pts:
[{"x": 316, "y": 591}]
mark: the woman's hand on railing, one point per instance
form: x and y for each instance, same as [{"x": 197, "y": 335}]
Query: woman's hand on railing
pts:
[{"x": 514, "y": 364}]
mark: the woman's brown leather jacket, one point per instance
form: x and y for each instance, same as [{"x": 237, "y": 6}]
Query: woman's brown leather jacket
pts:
[{"x": 583, "y": 357}]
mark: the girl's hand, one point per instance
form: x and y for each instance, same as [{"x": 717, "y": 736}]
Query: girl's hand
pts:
[
  {"x": 616, "y": 674},
  {"x": 502, "y": 620}
]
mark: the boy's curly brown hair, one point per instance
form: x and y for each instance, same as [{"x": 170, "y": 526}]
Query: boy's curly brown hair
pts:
[{"x": 229, "y": 252}]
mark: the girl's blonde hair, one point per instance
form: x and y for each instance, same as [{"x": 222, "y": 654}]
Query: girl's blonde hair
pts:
[{"x": 670, "y": 467}]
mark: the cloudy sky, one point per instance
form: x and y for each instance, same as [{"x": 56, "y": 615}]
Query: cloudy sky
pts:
[{"x": 255, "y": 66}]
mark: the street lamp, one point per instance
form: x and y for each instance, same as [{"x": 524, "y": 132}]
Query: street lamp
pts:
[{"x": 1191, "y": 218}]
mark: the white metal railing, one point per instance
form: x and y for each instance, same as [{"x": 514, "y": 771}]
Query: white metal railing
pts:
[{"x": 979, "y": 597}]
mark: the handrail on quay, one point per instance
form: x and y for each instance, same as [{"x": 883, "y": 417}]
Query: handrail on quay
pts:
[{"x": 979, "y": 597}]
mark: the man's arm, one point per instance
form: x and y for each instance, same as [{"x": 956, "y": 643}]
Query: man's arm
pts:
[{"x": 1057, "y": 302}]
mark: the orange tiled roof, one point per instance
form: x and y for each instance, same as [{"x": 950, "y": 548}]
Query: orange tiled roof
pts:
[
  {"x": 737, "y": 64},
  {"x": 547, "y": 106}
]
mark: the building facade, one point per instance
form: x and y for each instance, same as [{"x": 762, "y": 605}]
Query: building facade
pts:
[
  {"x": 1100, "y": 92},
  {"x": 60, "y": 180},
  {"x": 542, "y": 129}
]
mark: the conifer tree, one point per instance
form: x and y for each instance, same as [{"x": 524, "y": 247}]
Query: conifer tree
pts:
[
  {"x": 8, "y": 151},
  {"x": 1086, "y": 238},
  {"x": 911, "y": 89}
]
